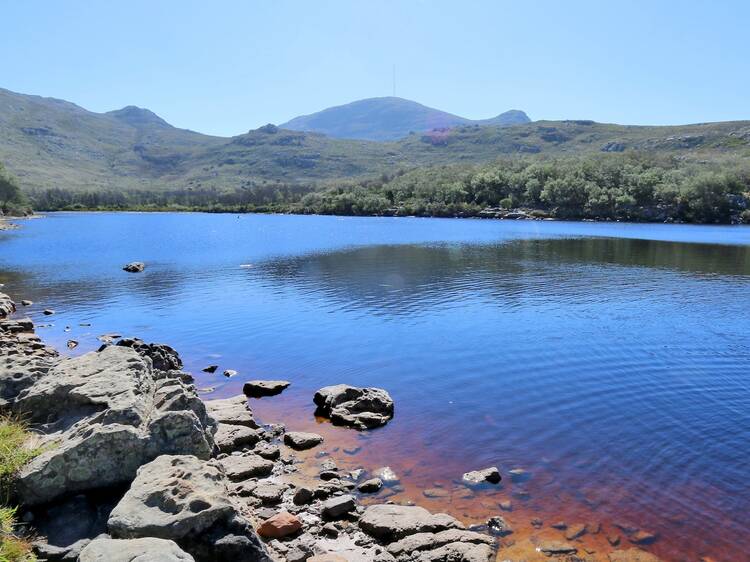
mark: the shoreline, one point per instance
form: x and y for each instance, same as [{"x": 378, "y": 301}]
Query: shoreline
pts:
[{"x": 304, "y": 469}]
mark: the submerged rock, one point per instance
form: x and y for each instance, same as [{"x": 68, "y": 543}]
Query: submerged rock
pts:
[
  {"x": 134, "y": 267},
  {"x": 632, "y": 555},
  {"x": 300, "y": 440},
  {"x": 104, "y": 414},
  {"x": 362, "y": 408},
  {"x": 475, "y": 545},
  {"x": 185, "y": 499},
  {"x": 106, "y": 549},
  {"x": 258, "y": 389}
]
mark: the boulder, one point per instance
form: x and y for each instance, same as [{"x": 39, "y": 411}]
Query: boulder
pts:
[
  {"x": 133, "y": 550},
  {"x": 300, "y": 440},
  {"x": 103, "y": 415},
  {"x": 163, "y": 357},
  {"x": 134, "y": 267},
  {"x": 229, "y": 438},
  {"x": 393, "y": 522},
  {"x": 476, "y": 477},
  {"x": 362, "y": 408},
  {"x": 232, "y": 411},
  {"x": 280, "y": 525},
  {"x": 258, "y": 389},
  {"x": 185, "y": 499},
  {"x": 7, "y": 306}
]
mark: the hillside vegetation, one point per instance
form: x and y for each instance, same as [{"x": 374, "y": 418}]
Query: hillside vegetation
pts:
[{"x": 64, "y": 157}]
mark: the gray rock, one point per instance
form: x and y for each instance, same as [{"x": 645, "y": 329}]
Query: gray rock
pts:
[
  {"x": 229, "y": 438},
  {"x": 498, "y": 526},
  {"x": 465, "y": 552},
  {"x": 363, "y": 408},
  {"x": 242, "y": 467},
  {"x": 429, "y": 541},
  {"x": 269, "y": 493},
  {"x": 163, "y": 357},
  {"x": 303, "y": 496},
  {"x": 185, "y": 499},
  {"x": 300, "y": 440},
  {"x": 371, "y": 486},
  {"x": 476, "y": 477},
  {"x": 387, "y": 475},
  {"x": 7, "y": 306},
  {"x": 104, "y": 415},
  {"x": 257, "y": 388},
  {"x": 267, "y": 450},
  {"x": 338, "y": 506},
  {"x": 393, "y": 522},
  {"x": 232, "y": 411},
  {"x": 134, "y": 267},
  {"x": 133, "y": 550}
]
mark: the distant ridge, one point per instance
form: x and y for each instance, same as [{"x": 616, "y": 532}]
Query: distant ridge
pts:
[
  {"x": 137, "y": 116},
  {"x": 388, "y": 119}
]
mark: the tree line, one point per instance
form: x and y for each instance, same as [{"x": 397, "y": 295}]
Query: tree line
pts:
[{"x": 628, "y": 187}]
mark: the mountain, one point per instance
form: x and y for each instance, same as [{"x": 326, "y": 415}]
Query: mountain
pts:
[
  {"x": 50, "y": 143},
  {"x": 388, "y": 119}
]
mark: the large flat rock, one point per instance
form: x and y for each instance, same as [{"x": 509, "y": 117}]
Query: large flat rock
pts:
[
  {"x": 133, "y": 550},
  {"x": 185, "y": 499},
  {"x": 393, "y": 522}
]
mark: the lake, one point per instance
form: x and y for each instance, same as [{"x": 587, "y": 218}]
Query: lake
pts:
[{"x": 610, "y": 361}]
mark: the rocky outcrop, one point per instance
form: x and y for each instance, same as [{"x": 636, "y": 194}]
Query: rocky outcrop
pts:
[
  {"x": 106, "y": 549},
  {"x": 163, "y": 357},
  {"x": 185, "y": 499},
  {"x": 362, "y": 408},
  {"x": 103, "y": 415},
  {"x": 7, "y": 306}
]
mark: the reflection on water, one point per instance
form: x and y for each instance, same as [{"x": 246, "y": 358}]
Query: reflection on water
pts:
[{"x": 614, "y": 369}]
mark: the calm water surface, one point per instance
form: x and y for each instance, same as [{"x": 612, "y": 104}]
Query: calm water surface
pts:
[{"x": 611, "y": 361}]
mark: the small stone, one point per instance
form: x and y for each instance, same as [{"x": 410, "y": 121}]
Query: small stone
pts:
[
  {"x": 330, "y": 530},
  {"x": 327, "y": 475},
  {"x": 642, "y": 537},
  {"x": 575, "y": 531},
  {"x": 561, "y": 525},
  {"x": 436, "y": 493},
  {"x": 269, "y": 493},
  {"x": 338, "y": 506},
  {"x": 72, "y": 344},
  {"x": 26, "y": 302},
  {"x": 229, "y": 373},
  {"x": 267, "y": 450},
  {"x": 300, "y": 440},
  {"x": 134, "y": 267},
  {"x": 519, "y": 475},
  {"x": 280, "y": 525},
  {"x": 210, "y": 369},
  {"x": 499, "y": 526},
  {"x": 357, "y": 474},
  {"x": 555, "y": 548},
  {"x": 506, "y": 505},
  {"x": 537, "y": 523},
  {"x": 371, "y": 486},
  {"x": 48, "y": 312},
  {"x": 491, "y": 475},
  {"x": 614, "y": 540},
  {"x": 303, "y": 496}
]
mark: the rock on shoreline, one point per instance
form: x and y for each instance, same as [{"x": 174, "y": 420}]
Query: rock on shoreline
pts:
[{"x": 362, "y": 408}]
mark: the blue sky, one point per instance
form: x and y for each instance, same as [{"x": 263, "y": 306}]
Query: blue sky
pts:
[{"x": 225, "y": 67}]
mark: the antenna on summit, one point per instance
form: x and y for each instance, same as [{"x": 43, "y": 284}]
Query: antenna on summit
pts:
[{"x": 394, "y": 80}]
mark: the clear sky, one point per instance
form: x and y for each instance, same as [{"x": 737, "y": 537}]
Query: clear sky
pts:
[{"x": 224, "y": 67}]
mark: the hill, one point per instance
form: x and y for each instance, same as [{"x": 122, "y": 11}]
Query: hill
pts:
[
  {"x": 48, "y": 143},
  {"x": 388, "y": 119}
]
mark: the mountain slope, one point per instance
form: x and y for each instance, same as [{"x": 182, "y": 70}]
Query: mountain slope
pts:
[
  {"x": 48, "y": 143},
  {"x": 387, "y": 119}
]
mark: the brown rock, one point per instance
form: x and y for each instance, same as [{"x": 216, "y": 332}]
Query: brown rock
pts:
[{"x": 280, "y": 525}]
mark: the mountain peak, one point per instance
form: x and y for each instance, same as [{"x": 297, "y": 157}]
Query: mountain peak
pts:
[
  {"x": 388, "y": 118},
  {"x": 138, "y": 116}
]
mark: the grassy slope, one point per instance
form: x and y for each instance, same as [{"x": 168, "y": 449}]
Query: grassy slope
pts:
[{"x": 51, "y": 143}]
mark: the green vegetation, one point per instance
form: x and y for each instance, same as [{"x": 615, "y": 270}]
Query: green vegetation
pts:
[
  {"x": 12, "y": 201},
  {"x": 14, "y": 453},
  {"x": 631, "y": 186}
]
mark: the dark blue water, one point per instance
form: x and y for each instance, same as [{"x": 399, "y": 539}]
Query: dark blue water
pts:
[{"x": 611, "y": 360}]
